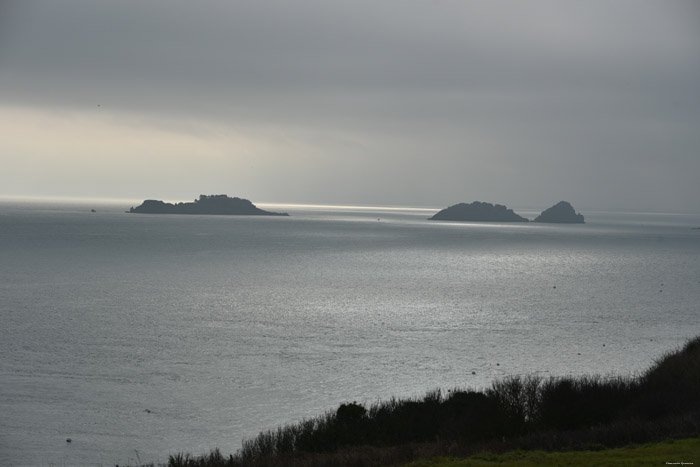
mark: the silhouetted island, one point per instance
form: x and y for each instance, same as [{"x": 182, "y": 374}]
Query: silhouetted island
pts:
[
  {"x": 212, "y": 204},
  {"x": 561, "y": 213},
  {"x": 478, "y": 212}
]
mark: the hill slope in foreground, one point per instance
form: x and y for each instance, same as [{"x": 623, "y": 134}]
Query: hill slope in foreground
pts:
[{"x": 518, "y": 412}]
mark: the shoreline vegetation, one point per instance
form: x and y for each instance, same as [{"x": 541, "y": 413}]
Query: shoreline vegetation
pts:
[{"x": 517, "y": 413}]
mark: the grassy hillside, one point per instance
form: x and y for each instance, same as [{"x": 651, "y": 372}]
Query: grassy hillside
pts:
[
  {"x": 554, "y": 414},
  {"x": 672, "y": 452}
]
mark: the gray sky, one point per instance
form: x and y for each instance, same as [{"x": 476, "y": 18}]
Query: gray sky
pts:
[{"x": 362, "y": 102}]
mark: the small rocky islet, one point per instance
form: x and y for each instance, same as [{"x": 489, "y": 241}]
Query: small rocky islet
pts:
[
  {"x": 205, "y": 204},
  {"x": 479, "y": 211},
  {"x": 561, "y": 213}
]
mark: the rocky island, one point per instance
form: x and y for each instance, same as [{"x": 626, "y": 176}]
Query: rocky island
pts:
[
  {"x": 478, "y": 212},
  {"x": 561, "y": 213},
  {"x": 206, "y": 204}
]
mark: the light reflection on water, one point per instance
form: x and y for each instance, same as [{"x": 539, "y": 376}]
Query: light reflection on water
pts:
[{"x": 159, "y": 334}]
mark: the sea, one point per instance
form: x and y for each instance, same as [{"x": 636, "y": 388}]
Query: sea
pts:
[{"x": 141, "y": 336}]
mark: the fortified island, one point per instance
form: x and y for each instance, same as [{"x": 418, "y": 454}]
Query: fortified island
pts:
[
  {"x": 206, "y": 204},
  {"x": 478, "y": 212},
  {"x": 561, "y": 213}
]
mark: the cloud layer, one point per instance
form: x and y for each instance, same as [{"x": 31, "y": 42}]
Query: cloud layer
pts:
[{"x": 392, "y": 102}]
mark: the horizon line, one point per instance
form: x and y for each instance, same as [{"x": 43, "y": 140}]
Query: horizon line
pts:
[{"x": 354, "y": 206}]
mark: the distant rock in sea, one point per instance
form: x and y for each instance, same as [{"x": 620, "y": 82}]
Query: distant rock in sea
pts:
[
  {"x": 560, "y": 213},
  {"x": 478, "y": 212},
  {"x": 211, "y": 204}
]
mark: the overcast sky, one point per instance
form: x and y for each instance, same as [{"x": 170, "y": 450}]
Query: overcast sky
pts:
[{"x": 430, "y": 103}]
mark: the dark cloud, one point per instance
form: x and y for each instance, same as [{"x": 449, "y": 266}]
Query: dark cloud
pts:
[{"x": 530, "y": 92}]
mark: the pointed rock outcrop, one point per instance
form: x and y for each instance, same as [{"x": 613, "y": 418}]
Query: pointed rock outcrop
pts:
[{"x": 561, "y": 213}]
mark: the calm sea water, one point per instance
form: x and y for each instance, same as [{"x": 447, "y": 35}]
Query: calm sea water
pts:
[{"x": 139, "y": 336}]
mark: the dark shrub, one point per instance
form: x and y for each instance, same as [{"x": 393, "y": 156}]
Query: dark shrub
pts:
[
  {"x": 469, "y": 416},
  {"x": 348, "y": 428},
  {"x": 518, "y": 400},
  {"x": 350, "y": 413},
  {"x": 558, "y": 409},
  {"x": 672, "y": 385}
]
